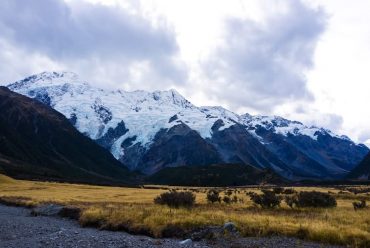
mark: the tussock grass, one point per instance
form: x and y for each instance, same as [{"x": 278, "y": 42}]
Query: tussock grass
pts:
[{"x": 133, "y": 210}]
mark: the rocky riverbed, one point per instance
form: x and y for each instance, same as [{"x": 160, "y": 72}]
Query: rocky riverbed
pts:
[{"x": 20, "y": 229}]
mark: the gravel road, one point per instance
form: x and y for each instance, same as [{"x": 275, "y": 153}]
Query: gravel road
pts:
[{"x": 19, "y": 229}]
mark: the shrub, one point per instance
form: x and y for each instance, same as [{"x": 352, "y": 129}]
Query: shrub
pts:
[
  {"x": 249, "y": 193},
  {"x": 359, "y": 205},
  {"x": 234, "y": 199},
  {"x": 315, "y": 199},
  {"x": 213, "y": 196},
  {"x": 176, "y": 199},
  {"x": 289, "y": 191},
  {"x": 267, "y": 200},
  {"x": 228, "y": 192},
  {"x": 358, "y": 190},
  {"x": 226, "y": 199},
  {"x": 278, "y": 190},
  {"x": 291, "y": 200}
]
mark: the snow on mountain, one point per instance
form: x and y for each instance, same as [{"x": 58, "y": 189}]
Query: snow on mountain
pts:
[
  {"x": 154, "y": 129},
  {"x": 96, "y": 110},
  {"x": 285, "y": 127}
]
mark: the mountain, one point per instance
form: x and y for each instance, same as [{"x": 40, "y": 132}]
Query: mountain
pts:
[
  {"x": 362, "y": 171},
  {"x": 149, "y": 131},
  {"x": 219, "y": 175},
  {"x": 312, "y": 150},
  {"x": 38, "y": 142}
]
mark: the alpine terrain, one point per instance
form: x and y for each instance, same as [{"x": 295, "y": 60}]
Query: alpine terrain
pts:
[
  {"x": 149, "y": 131},
  {"x": 37, "y": 142}
]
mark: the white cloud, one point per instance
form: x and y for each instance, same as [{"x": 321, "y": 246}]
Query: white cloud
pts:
[
  {"x": 266, "y": 57},
  {"x": 93, "y": 39},
  {"x": 263, "y": 64}
]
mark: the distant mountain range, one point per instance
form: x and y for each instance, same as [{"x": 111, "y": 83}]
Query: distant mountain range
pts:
[
  {"x": 150, "y": 131},
  {"x": 37, "y": 142}
]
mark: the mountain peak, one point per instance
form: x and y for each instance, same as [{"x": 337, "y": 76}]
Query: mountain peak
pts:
[
  {"x": 172, "y": 96},
  {"x": 46, "y": 78},
  {"x": 61, "y": 74}
]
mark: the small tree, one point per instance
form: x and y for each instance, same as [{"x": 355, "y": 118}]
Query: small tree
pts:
[
  {"x": 266, "y": 200},
  {"x": 176, "y": 199},
  {"x": 213, "y": 196}
]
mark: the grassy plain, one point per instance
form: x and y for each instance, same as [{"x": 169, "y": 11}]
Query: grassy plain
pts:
[{"x": 133, "y": 210}]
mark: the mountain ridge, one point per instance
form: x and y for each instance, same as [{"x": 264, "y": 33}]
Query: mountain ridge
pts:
[{"x": 102, "y": 114}]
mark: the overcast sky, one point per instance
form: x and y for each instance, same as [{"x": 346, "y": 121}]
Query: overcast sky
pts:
[{"x": 303, "y": 60}]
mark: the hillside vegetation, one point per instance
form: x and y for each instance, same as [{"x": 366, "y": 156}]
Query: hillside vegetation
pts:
[
  {"x": 214, "y": 175},
  {"x": 133, "y": 210}
]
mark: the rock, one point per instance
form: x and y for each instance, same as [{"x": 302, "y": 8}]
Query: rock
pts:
[
  {"x": 230, "y": 227},
  {"x": 210, "y": 232},
  {"x": 186, "y": 242},
  {"x": 47, "y": 210}
]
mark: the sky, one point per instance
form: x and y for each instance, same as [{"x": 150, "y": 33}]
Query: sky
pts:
[{"x": 302, "y": 60}]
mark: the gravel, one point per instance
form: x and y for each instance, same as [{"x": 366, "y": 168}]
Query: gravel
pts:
[{"x": 18, "y": 228}]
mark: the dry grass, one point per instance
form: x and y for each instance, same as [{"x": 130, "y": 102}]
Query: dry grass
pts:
[{"x": 132, "y": 209}]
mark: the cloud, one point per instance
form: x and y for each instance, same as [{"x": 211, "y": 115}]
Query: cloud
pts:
[
  {"x": 93, "y": 39},
  {"x": 364, "y": 137},
  {"x": 262, "y": 64}
]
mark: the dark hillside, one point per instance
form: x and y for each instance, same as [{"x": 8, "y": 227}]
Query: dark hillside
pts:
[{"x": 38, "y": 142}]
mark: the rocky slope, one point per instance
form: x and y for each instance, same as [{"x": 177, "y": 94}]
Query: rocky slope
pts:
[
  {"x": 38, "y": 142},
  {"x": 362, "y": 171},
  {"x": 149, "y": 131}
]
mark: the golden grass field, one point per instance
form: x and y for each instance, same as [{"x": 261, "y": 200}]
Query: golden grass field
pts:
[{"x": 133, "y": 209}]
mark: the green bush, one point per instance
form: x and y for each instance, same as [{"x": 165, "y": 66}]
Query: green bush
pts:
[
  {"x": 226, "y": 199},
  {"x": 176, "y": 199},
  {"x": 311, "y": 199},
  {"x": 291, "y": 200},
  {"x": 268, "y": 199},
  {"x": 213, "y": 196},
  {"x": 289, "y": 191},
  {"x": 228, "y": 192},
  {"x": 278, "y": 190},
  {"x": 359, "y": 205}
]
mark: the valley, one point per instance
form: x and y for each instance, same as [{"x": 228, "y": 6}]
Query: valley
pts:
[
  {"x": 173, "y": 172},
  {"x": 133, "y": 210}
]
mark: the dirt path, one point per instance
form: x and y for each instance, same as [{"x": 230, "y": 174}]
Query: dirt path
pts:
[{"x": 19, "y": 229}]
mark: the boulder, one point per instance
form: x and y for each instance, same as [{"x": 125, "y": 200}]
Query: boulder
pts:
[
  {"x": 186, "y": 242},
  {"x": 47, "y": 210},
  {"x": 230, "y": 227}
]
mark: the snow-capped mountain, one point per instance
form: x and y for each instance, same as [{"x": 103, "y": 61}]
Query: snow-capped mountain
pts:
[
  {"x": 148, "y": 131},
  {"x": 309, "y": 149},
  {"x": 37, "y": 142}
]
